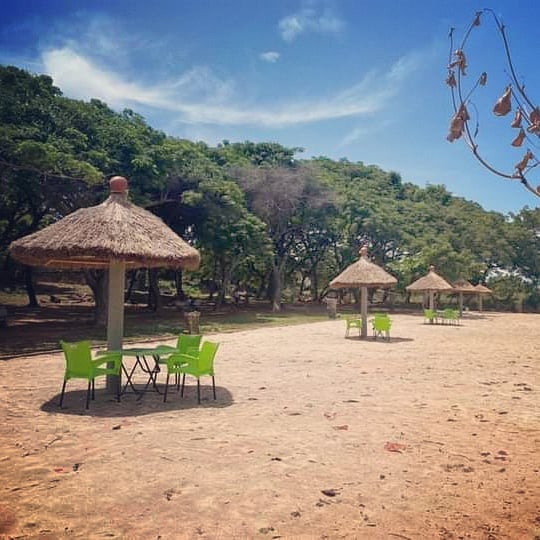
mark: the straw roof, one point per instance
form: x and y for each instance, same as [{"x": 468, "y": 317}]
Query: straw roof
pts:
[
  {"x": 363, "y": 273},
  {"x": 482, "y": 289},
  {"x": 463, "y": 286},
  {"x": 115, "y": 229},
  {"x": 430, "y": 282}
]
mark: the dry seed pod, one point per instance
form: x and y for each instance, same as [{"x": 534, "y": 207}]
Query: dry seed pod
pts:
[
  {"x": 516, "y": 122},
  {"x": 518, "y": 141},
  {"x": 504, "y": 103}
]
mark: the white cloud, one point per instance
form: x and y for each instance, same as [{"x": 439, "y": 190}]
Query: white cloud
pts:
[
  {"x": 307, "y": 20},
  {"x": 199, "y": 97},
  {"x": 269, "y": 56}
]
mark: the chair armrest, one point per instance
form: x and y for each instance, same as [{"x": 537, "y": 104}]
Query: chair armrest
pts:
[
  {"x": 109, "y": 356},
  {"x": 179, "y": 359}
]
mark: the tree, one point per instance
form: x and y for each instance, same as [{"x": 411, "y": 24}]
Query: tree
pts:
[{"x": 527, "y": 114}]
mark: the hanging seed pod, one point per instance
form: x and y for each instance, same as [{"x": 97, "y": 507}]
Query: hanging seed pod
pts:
[
  {"x": 516, "y": 122},
  {"x": 535, "y": 116},
  {"x": 456, "y": 128},
  {"x": 458, "y": 123},
  {"x": 451, "y": 79},
  {"x": 518, "y": 141},
  {"x": 504, "y": 103},
  {"x": 520, "y": 167},
  {"x": 463, "y": 113},
  {"x": 534, "y": 128},
  {"x": 483, "y": 79},
  {"x": 476, "y": 21},
  {"x": 460, "y": 62}
]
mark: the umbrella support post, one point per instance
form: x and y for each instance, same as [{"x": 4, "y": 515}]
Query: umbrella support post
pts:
[
  {"x": 363, "y": 309},
  {"x": 115, "y": 320}
]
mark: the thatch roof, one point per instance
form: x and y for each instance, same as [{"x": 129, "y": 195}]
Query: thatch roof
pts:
[
  {"x": 482, "y": 289},
  {"x": 114, "y": 229},
  {"x": 363, "y": 273},
  {"x": 463, "y": 286},
  {"x": 430, "y": 282}
]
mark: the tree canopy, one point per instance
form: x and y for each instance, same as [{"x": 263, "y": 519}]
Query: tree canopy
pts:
[{"x": 263, "y": 217}]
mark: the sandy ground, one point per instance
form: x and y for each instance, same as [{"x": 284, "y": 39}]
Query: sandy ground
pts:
[{"x": 296, "y": 444}]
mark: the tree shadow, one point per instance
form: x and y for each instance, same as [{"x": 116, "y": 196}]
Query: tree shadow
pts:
[{"x": 106, "y": 406}]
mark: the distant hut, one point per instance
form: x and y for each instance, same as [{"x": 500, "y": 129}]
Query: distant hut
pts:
[
  {"x": 481, "y": 290},
  {"x": 363, "y": 274},
  {"x": 462, "y": 286},
  {"x": 430, "y": 283}
]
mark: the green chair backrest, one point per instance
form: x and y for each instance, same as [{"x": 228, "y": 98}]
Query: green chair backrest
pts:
[
  {"x": 382, "y": 323},
  {"x": 429, "y": 313},
  {"x": 188, "y": 343},
  {"x": 78, "y": 359},
  {"x": 205, "y": 363}
]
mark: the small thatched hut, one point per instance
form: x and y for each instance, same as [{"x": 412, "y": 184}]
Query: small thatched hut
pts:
[
  {"x": 481, "y": 290},
  {"x": 462, "y": 286},
  {"x": 363, "y": 274},
  {"x": 430, "y": 283}
]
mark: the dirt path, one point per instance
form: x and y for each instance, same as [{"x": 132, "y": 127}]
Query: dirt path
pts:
[{"x": 433, "y": 435}]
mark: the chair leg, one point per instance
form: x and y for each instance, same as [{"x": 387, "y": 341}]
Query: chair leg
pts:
[
  {"x": 93, "y": 389},
  {"x": 183, "y": 383},
  {"x": 62, "y": 393},
  {"x": 118, "y": 388},
  {"x": 198, "y": 390},
  {"x": 166, "y": 388},
  {"x": 214, "y": 386},
  {"x": 88, "y": 392}
]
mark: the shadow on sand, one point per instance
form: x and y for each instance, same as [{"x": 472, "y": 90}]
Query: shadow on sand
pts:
[
  {"x": 105, "y": 404},
  {"x": 379, "y": 339}
]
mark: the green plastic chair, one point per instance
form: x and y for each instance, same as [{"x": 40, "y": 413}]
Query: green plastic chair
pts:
[
  {"x": 381, "y": 324},
  {"x": 195, "y": 365},
  {"x": 451, "y": 316},
  {"x": 80, "y": 365},
  {"x": 186, "y": 344},
  {"x": 353, "y": 321},
  {"x": 430, "y": 316}
]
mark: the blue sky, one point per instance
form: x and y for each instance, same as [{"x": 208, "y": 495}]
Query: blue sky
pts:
[{"x": 357, "y": 79}]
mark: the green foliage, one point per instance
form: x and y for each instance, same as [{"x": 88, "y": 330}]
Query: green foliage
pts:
[{"x": 262, "y": 218}]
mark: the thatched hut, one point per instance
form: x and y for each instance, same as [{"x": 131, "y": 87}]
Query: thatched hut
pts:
[
  {"x": 113, "y": 235},
  {"x": 363, "y": 274},
  {"x": 430, "y": 283},
  {"x": 462, "y": 286},
  {"x": 481, "y": 290}
]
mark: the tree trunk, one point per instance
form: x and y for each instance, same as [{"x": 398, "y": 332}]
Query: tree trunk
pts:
[
  {"x": 98, "y": 281},
  {"x": 178, "y": 280},
  {"x": 154, "y": 297},
  {"x": 131, "y": 284},
  {"x": 30, "y": 290},
  {"x": 276, "y": 286},
  {"x": 314, "y": 284}
]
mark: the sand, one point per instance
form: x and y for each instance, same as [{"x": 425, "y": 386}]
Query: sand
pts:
[{"x": 435, "y": 434}]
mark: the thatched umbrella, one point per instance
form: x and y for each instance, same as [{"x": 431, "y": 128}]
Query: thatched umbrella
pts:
[
  {"x": 430, "y": 283},
  {"x": 481, "y": 290},
  {"x": 462, "y": 286},
  {"x": 363, "y": 274},
  {"x": 113, "y": 235}
]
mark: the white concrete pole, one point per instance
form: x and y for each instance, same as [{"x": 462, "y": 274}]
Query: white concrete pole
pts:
[
  {"x": 363, "y": 305},
  {"x": 431, "y": 299},
  {"x": 115, "y": 317}
]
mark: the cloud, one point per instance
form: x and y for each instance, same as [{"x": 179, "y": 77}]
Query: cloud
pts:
[
  {"x": 307, "y": 20},
  {"x": 199, "y": 97},
  {"x": 269, "y": 56}
]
